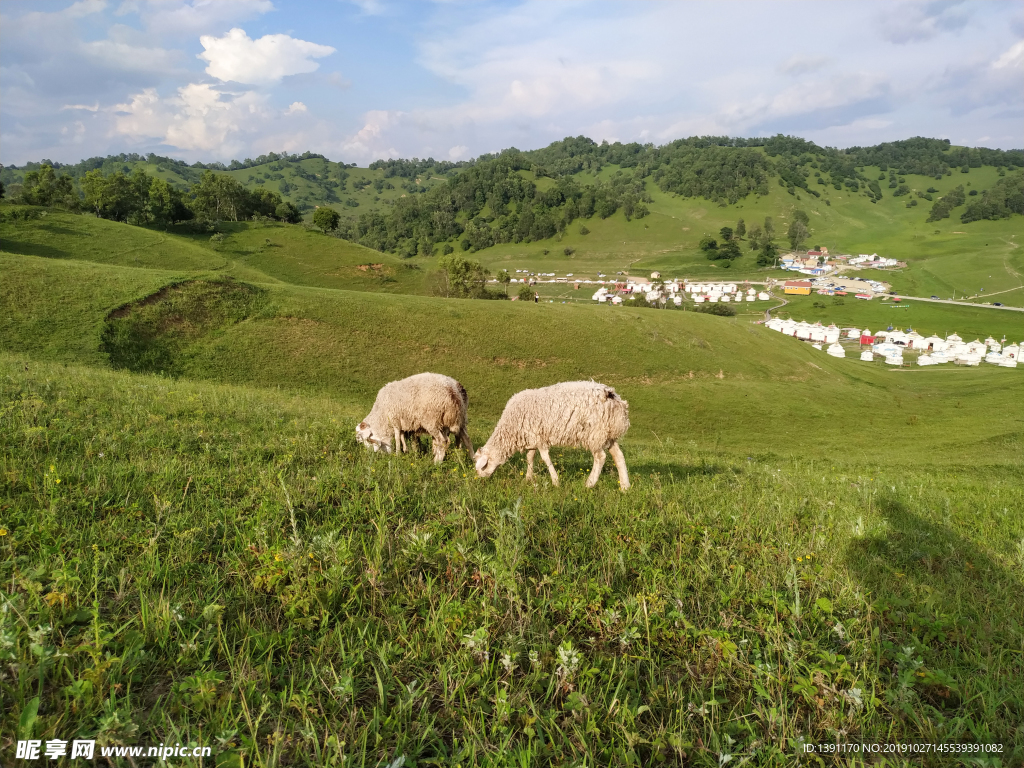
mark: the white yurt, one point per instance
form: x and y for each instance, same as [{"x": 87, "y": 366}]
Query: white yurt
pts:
[
  {"x": 714, "y": 297},
  {"x": 763, "y": 296},
  {"x": 1011, "y": 352},
  {"x": 1008, "y": 362},
  {"x": 894, "y": 358},
  {"x": 725, "y": 297},
  {"x": 789, "y": 327},
  {"x": 989, "y": 342},
  {"x": 925, "y": 359},
  {"x": 803, "y": 330},
  {"x": 940, "y": 356},
  {"x": 993, "y": 358},
  {"x": 914, "y": 340},
  {"x": 836, "y": 350},
  {"x": 933, "y": 342},
  {"x": 816, "y": 345},
  {"x": 867, "y": 356},
  {"x": 976, "y": 347},
  {"x": 953, "y": 337},
  {"x": 751, "y": 298},
  {"x": 730, "y": 288},
  {"x": 831, "y": 334},
  {"x": 751, "y": 291},
  {"x": 677, "y": 300},
  {"x": 995, "y": 346},
  {"x": 774, "y": 324},
  {"x": 616, "y": 300},
  {"x": 699, "y": 299},
  {"x": 853, "y": 333},
  {"x": 897, "y": 337},
  {"x": 817, "y": 332}
]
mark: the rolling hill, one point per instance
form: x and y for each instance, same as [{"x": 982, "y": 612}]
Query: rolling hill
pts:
[{"x": 195, "y": 550}]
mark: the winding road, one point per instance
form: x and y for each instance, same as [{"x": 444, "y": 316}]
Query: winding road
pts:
[{"x": 959, "y": 303}]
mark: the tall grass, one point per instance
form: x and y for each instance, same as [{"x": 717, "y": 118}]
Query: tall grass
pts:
[{"x": 197, "y": 563}]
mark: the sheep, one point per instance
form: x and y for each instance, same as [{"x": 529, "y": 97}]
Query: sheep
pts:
[
  {"x": 427, "y": 403},
  {"x": 577, "y": 414}
]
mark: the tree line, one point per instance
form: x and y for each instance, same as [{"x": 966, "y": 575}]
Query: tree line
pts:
[{"x": 139, "y": 198}]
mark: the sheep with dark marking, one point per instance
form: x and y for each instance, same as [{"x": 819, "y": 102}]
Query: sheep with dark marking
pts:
[
  {"x": 575, "y": 414},
  {"x": 425, "y": 403}
]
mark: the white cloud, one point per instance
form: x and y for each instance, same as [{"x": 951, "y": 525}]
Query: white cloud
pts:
[
  {"x": 800, "y": 65},
  {"x": 199, "y": 16},
  {"x": 458, "y": 153},
  {"x": 920, "y": 21},
  {"x": 237, "y": 57},
  {"x": 295, "y": 106},
  {"x": 1014, "y": 57},
  {"x": 196, "y": 118},
  {"x": 88, "y": 108}
]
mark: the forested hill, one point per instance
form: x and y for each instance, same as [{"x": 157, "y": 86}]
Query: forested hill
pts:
[{"x": 415, "y": 206}]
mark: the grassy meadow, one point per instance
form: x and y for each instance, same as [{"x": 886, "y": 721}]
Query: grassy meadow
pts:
[{"x": 194, "y": 549}]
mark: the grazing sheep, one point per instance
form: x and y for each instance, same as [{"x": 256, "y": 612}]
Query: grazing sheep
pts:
[
  {"x": 577, "y": 414},
  {"x": 427, "y": 403}
]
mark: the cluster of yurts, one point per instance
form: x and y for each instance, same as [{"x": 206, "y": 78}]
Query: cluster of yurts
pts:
[{"x": 891, "y": 345}]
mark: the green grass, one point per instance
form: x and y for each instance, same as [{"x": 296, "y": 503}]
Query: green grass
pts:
[
  {"x": 193, "y": 548},
  {"x": 198, "y": 563}
]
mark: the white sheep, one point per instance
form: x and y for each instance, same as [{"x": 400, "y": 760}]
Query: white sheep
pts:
[
  {"x": 425, "y": 403},
  {"x": 576, "y": 414}
]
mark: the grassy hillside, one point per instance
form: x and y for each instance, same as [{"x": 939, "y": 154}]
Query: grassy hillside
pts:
[
  {"x": 194, "y": 549},
  {"x": 202, "y": 564},
  {"x": 261, "y": 251},
  {"x": 674, "y": 367}
]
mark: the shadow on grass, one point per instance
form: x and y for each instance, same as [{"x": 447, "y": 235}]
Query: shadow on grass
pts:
[
  {"x": 32, "y": 249},
  {"x": 953, "y": 626}
]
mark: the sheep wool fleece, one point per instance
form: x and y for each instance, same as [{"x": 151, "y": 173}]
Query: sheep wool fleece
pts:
[
  {"x": 426, "y": 402},
  {"x": 575, "y": 414}
]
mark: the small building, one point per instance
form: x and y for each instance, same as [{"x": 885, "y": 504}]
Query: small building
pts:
[
  {"x": 798, "y": 287},
  {"x": 655, "y": 275}
]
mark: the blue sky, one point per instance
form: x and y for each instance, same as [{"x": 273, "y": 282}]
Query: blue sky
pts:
[{"x": 357, "y": 81}]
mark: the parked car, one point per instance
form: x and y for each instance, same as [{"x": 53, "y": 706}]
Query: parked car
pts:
[
  {"x": 935, "y": 297},
  {"x": 998, "y": 304}
]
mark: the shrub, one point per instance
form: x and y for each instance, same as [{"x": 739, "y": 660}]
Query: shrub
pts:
[
  {"x": 525, "y": 293},
  {"x": 717, "y": 308}
]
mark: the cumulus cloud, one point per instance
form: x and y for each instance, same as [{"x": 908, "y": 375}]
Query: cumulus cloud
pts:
[
  {"x": 294, "y": 107},
  {"x": 197, "y": 117},
  {"x": 239, "y": 58}
]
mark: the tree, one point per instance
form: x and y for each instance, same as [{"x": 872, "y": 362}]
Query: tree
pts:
[
  {"x": 755, "y": 237},
  {"x": 708, "y": 244},
  {"x": 326, "y": 219},
  {"x": 288, "y": 212},
  {"x": 526, "y": 293},
  {"x": 504, "y": 278},
  {"x": 769, "y": 228},
  {"x": 166, "y": 205},
  {"x": 463, "y": 277},
  {"x": 766, "y": 256},
  {"x": 802, "y": 217},
  {"x": 797, "y": 234},
  {"x": 726, "y": 233},
  {"x": 741, "y": 230},
  {"x": 729, "y": 250}
]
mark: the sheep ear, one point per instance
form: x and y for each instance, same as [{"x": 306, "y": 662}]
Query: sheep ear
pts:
[{"x": 481, "y": 461}]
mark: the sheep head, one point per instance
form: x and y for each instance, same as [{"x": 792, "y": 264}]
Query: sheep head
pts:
[
  {"x": 485, "y": 463},
  {"x": 366, "y": 436}
]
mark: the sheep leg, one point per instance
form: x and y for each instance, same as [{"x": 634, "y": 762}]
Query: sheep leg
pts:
[
  {"x": 599, "y": 457},
  {"x": 466, "y": 442},
  {"x": 529, "y": 464},
  {"x": 620, "y": 464},
  {"x": 399, "y": 441},
  {"x": 551, "y": 467},
  {"x": 440, "y": 445}
]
